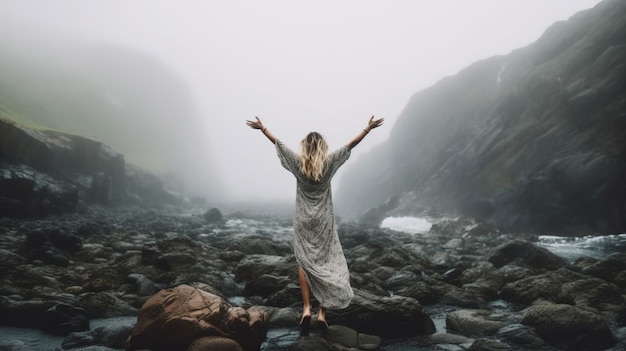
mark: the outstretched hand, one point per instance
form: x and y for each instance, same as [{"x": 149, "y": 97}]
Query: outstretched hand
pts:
[
  {"x": 255, "y": 124},
  {"x": 371, "y": 124},
  {"x": 374, "y": 123},
  {"x": 259, "y": 125}
]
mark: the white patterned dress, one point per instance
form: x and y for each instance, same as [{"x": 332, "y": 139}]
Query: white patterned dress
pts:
[{"x": 316, "y": 243}]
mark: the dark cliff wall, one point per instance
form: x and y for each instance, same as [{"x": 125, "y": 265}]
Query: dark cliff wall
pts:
[
  {"x": 45, "y": 172},
  {"x": 534, "y": 140}
]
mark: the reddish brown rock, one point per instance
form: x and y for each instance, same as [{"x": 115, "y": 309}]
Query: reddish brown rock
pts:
[
  {"x": 174, "y": 318},
  {"x": 214, "y": 343}
]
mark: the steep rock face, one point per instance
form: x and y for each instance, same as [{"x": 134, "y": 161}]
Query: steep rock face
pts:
[
  {"x": 534, "y": 140},
  {"x": 45, "y": 172},
  {"x": 53, "y": 151}
]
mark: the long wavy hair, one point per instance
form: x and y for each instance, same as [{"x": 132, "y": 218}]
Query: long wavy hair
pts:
[{"x": 314, "y": 150}]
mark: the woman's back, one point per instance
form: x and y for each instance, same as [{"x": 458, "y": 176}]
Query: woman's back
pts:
[{"x": 321, "y": 263}]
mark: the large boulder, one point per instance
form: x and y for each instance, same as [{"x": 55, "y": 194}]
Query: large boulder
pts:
[
  {"x": 179, "y": 259},
  {"x": 265, "y": 285},
  {"x": 175, "y": 318},
  {"x": 609, "y": 268},
  {"x": 54, "y": 317},
  {"x": 395, "y": 316},
  {"x": 51, "y": 246},
  {"x": 350, "y": 338},
  {"x": 427, "y": 292},
  {"x": 476, "y": 323},
  {"x": 253, "y": 266},
  {"x": 520, "y": 334},
  {"x": 569, "y": 327},
  {"x": 592, "y": 292},
  {"x": 545, "y": 286},
  {"x": 257, "y": 244},
  {"x": 214, "y": 216},
  {"x": 104, "y": 305},
  {"x": 525, "y": 254},
  {"x": 112, "y": 336}
]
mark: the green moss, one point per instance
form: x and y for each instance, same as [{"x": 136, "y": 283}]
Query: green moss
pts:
[
  {"x": 8, "y": 113},
  {"x": 22, "y": 119}
]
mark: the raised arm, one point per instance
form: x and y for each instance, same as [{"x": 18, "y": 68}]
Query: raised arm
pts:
[
  {"x": 259, "y": 125},
  {"x": 370, "y": 125}
]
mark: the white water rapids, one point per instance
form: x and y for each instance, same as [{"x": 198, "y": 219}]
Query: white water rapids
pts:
[{"x": 570, "y": 248}]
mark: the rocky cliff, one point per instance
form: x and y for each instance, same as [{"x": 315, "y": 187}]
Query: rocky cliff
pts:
[
  {"x": 49, "y": 172},
  {"x": 127, "y": 98},
  {"x": 534, "y": 140}
]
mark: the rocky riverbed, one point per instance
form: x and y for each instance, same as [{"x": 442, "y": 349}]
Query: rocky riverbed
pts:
[{"x": 463, "y": 285}]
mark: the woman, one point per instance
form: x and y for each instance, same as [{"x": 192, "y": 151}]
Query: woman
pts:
[{"x": 322, "y": 267}]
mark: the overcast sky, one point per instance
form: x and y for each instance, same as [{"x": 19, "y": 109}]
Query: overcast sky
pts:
[{"x": 298, "y": 65}]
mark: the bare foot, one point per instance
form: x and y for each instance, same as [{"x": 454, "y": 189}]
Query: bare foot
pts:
[
  {"x": 306, "y": 315},
  {"x": 321, "y": 317}
]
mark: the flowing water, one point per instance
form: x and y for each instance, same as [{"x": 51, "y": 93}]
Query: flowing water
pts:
[
  {"x": 13, "y": 338},
  {"x": 412, "y": 225},
  {"x": 570, "y": 248}
]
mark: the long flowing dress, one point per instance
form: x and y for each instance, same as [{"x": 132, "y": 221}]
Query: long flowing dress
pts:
[{"x": 316, "y": 244}]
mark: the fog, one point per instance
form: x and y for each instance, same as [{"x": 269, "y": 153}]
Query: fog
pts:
[{"x": 299, "y": 66}]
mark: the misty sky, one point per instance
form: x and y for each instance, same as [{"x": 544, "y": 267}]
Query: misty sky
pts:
[{"x": 299, "y": 65}]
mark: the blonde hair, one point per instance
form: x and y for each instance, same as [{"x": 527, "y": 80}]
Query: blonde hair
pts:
[{"x": 314, "y": 149}]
